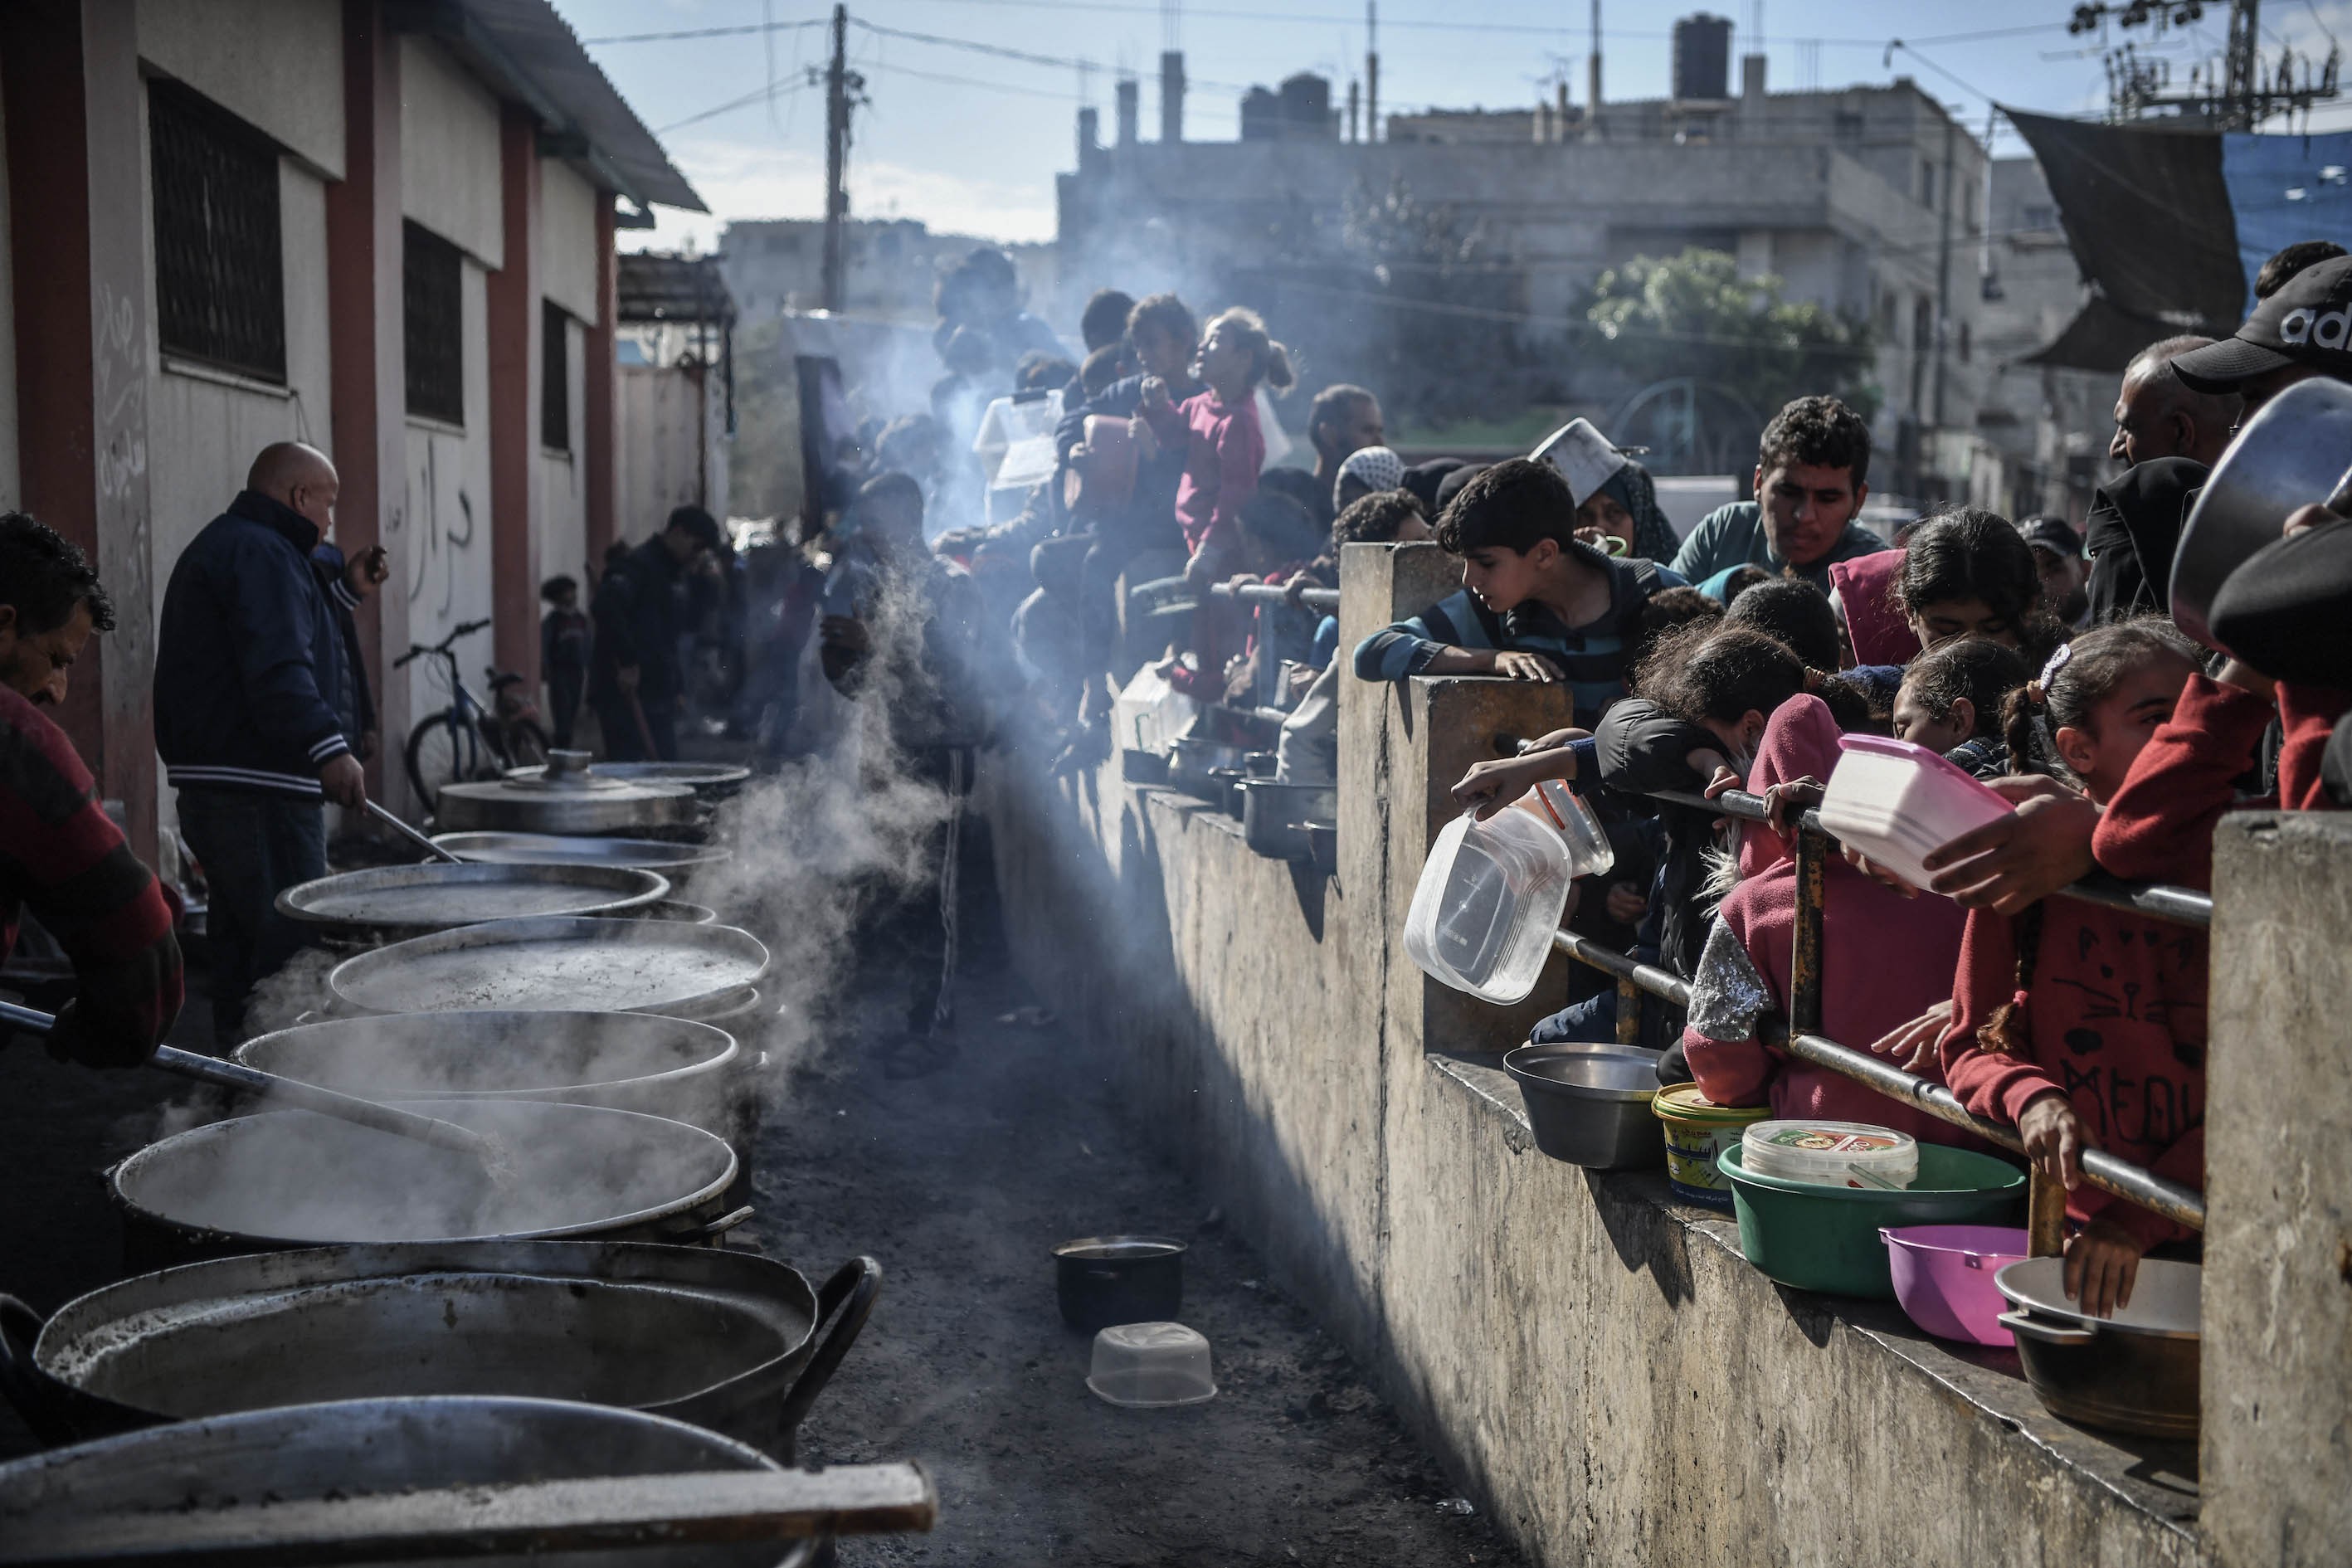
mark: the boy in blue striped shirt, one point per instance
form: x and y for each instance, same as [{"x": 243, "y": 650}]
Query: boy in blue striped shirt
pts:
[{"x": 1536, "y": 603}]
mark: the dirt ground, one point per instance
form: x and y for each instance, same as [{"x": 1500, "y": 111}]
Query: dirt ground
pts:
[{"x": 961, "y": 1184}]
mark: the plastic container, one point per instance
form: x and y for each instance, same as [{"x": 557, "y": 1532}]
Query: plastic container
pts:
[
  {"x": 1898, "y": 802},
  {"x": 1491, "y": 892},
  {"x": 1150, "y": 713},
  {"x": 1944, "y": 1276},
  {"x": 1151, "y": 1366},
  {"x": 1697, "y": 1132},
  {"x": 1832, "y": 1153},
  {"x": 1816, "y": 1238}
]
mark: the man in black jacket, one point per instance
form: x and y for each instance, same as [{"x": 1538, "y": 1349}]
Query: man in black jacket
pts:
[
  {"x": 634, "y": 681},
  {"x": 249, "y": 665}
]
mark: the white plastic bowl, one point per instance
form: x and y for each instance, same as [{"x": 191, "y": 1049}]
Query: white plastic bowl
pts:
[
  {"x": 1152, "y": 1366},
  {"x": 1898, "y": 803}
]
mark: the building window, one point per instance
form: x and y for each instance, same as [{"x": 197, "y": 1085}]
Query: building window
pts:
[
  {"x": 2040, "y": 217},
  {"x": 1926, "y": 184},
  {"x": 220, "y": 279},
  {"x": 1964, "y": 344},
  {"x": 554, "y": 377},
  {"x": 1923, "y": 324},
  {"x": 1849, "y": 127},
  {"x": 433, "y": 325}
]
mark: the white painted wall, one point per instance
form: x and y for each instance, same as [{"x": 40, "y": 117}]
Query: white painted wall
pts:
[
  {"x": 567, "y": 239},
  {"x": 450, "y": 151},
  {"x": 441, "y": 543},
  {"x": 276, "y": 65},
  {"x": 660, "y": 425},
  {"x": 11, "y": 485}
]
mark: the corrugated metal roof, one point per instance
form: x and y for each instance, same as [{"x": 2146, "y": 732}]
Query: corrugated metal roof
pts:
[{"x": 527, "y": 52}]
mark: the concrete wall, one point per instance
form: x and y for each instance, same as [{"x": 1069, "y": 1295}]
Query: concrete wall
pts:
[
  {"x": 567, "y": 216},
  {"x": 567, "y": 231},
  {"x": 278, "y": 65},
  {"x": 442, "y": 544},
  {"x": 449, "y": 178},
  {"x": 1600, "y": 1368},
  {"x": 662, "y": 455}
]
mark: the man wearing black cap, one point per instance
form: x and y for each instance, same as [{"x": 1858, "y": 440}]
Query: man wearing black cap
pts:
[
  {"x": 2058, "y": 551},
  {"x": 2303, "y": 331}
]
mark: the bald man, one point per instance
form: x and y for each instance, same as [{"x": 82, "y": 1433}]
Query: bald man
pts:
[
  {"x": 2159, "y": 416},
  {"x": 249, "y": 662}
]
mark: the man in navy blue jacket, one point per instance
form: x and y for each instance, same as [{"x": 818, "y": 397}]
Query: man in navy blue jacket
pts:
[{"x": 249, "y": 662}]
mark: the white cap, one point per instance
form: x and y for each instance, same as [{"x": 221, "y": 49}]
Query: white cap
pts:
[{"x": 1584, "y": 457}]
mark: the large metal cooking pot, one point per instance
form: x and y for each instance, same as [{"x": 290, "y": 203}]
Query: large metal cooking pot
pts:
[
  {"x": 2296, "y": 450},
  {"x": 307, "y": 1452},
  {"x": 1588, "y": 1104},
  {"x": 629, "y": 1062},
  {"x": 397, "y": 901},
  {"x": 725, "y": 1340},
  {"x": 567, "y": 796},
  {"x": 2135, "y": 1372},
  {"x": 1275, "y": 815},
  {"x": 711, "y": 781},
  {"x": 676, "y": 861},
  {"x": 289, "y": 1178},
  {"x": 560, "y": 963}
]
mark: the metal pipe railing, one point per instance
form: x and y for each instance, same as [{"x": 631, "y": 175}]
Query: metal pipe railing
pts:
[
  {"x": 1323, "y": 599},
  {"x": 1801, "y": 1036}
]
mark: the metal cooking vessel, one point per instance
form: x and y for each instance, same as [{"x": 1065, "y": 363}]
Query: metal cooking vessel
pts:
[
  {"x": 569, "y": 800},
  {"x": 560, "y": 964},
  {"x": 1275, "y": 815},
  {"x": 307, "y": 1452},
  {"x": 725, "y": 1340},
  {"x": 673, "y": 861},
  {"x": 628, "y": 1061},
  {"x": 409, "y": 900},
  {"x": 1193, "y": 764},
  {"x": 289, "y": 1178},
  {"x": 676, "y": 910},
  {"x": 2136, "y": 1372},
  {"x": 2296, "y": 450},
  {"x": 1589, "y": 1104},
  {"x": 1100, "y": 1281},
  {"x": 711, "y": 781}
]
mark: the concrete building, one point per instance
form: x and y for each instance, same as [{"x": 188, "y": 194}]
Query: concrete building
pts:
[
  {"x": 890, "y": 268},
  {"x": 385, "y": 229},
  {"x": 1867, "y": 200},
  {"x": 2050, "y": 425}
]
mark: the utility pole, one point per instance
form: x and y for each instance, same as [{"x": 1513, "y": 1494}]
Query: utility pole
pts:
[
  {"x": 1944, "y": 264},
  {"x": 1592, "y": 80},
  {"x": 1371, "y": 71},
  {"x": 837, "y": 88}
]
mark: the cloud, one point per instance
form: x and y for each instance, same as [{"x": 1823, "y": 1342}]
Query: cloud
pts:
[{"x": 760, "y": 180}]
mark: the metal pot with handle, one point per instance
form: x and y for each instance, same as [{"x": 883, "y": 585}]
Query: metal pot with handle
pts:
[
  {"x": 2135, "y": 1372},
  {"x": 730, "y": 1341},
  {"x": 2296, "y": 450}
]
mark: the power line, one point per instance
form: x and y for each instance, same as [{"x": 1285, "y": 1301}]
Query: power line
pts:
[
  {"x": 749, "y": 99},
  {"x": 706, "y": 31},
  {"x": 1063, "y": 62}
]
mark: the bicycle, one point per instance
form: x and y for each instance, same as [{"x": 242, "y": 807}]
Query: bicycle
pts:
[{"x": 465, "y": 740}]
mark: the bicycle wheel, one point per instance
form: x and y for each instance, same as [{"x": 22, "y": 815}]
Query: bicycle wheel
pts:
[
  {"x": 441, "y": 752},
  {"x": 526, "y": 744}
]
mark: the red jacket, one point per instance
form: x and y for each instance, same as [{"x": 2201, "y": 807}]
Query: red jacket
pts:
[
  {"x": 2308, "y": 714},
  {"x": 1226, "y": 449}
]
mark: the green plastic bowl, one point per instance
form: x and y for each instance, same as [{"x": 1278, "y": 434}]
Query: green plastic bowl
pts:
[{"x": 1826, "y": 1239}]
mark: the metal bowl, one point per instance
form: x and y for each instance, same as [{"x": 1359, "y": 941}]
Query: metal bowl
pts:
[
  {"x": 2136, "y": 1372},
  {"x": 2293, "y": 451},
  {"x": 559, "y": 849},
  {"x": 628, "y": 1061},
  {"x": 1589, "y": 1104},
  {"x": 560, "y": 965},
  {"x": 409, "y": 900},
  {"x": 307, "y": 1452}
]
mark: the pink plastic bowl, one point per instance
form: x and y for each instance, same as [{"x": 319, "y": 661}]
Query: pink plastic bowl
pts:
[{"x": 1943, "y": 1276}]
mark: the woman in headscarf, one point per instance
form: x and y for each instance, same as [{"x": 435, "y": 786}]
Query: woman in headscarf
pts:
[{"x": 1615, "y": 497}]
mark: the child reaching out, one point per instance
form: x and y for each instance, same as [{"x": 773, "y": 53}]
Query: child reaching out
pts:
[
  {"x": 1219, "y": 429},
  {"x": 2084, "y": 1027}
]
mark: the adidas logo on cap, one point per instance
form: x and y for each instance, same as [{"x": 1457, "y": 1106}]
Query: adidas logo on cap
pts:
[{"x": 2328, "y": 330}]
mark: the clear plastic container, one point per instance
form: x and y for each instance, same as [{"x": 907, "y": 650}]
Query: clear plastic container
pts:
[
  {"x": 1898, "y": 803},
  {"x": 1491, "y": 892},
  {"x": 1150, "y": 713},
  {"x": 1832, "y": 1153},
  {"x": 1149, "y": 1366}
]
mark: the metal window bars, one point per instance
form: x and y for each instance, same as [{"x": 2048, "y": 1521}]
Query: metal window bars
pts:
[
  {"x": 220, "y": 288},
  {"x": 1801, "y": 1036}
]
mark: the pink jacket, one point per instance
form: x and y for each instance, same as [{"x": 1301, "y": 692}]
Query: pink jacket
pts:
[
  {"x": 1226, "y": 449},
  {"x": 1874, "y": 623}
]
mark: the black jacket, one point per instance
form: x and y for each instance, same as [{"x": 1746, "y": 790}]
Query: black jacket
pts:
[
  {"x": 637, "y": 623},
  {"x": 249, "y": 658},
  {"x": 2131, "y": 533}
]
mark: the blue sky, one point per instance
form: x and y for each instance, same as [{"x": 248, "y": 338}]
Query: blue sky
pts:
[{"x": 969, "y": 142}]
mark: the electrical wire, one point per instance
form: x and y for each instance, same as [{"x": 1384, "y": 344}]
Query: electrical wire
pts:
[{"x": 749, "y": 99}]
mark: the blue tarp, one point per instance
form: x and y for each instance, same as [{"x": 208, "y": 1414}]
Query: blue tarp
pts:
[{"x": 2286, "y": 189}]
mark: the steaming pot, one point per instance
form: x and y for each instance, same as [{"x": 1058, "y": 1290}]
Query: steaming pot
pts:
[
  {"x": 676, "y": 861},
  {"x": 567, "y": 796},
  {"x": 725, "y": 1340},
  {"x": 389, "y": 902},
  {"x": 629, "y": 1062},
  {"x": 711, "y": 781},
  {"x": 289, "y": 1178},
  {"x": 391, "y": 1445},
  {"x": 559, "y": 964}
]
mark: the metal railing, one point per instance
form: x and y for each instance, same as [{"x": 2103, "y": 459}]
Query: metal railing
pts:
[
  {"x": 1266, "y": 603},
  {"x": 1323, "y": 599},
  {"x": 1801, "y": 1036}
]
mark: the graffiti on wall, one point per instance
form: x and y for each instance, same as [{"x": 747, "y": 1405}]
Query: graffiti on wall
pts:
[{"x": 444, "y": 537}]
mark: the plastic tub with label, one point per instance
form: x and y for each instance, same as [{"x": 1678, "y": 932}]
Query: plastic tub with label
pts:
[
  {"x": 1697, "y": 1131},
  {"x": 1832, "y": 1153}
]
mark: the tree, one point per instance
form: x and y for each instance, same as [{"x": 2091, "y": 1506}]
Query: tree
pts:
[
  {"x": 1443, "y": 301},
  {"x": 1693, "y": 316}
]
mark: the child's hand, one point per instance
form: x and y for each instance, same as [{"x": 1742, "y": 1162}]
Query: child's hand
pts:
[
  {"x": 1912, "y": 1045},
  {"x": 1514, "y": 665},
  {"x": 2015, "y": 861},
  {"x": 1709, "y": 764},
  {"x": 2102, "y": 1263},
  {"x": 1876, "y": 872},
  {"x": 1491, "y": 786},
  {"x": 1626, "y": 903},
  {"x": 2055, "y": 1139},
  {"x": 1155, "y": 393},
  {"x": 1299, "y": 583},
  {"x": 1785, "y": 803},
  {"x": 1201, "y": 569}
]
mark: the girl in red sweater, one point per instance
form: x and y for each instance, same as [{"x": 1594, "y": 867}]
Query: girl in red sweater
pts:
[
  {"x": 2084, "y": 1027},
  {"x": 1220, "y": 430}
]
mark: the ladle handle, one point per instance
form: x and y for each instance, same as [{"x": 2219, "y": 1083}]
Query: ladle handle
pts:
[
  {"x": 326, "y": 1101},
  {"x": 377, "y": 811},
  {"x": 848, "y": 1299}
]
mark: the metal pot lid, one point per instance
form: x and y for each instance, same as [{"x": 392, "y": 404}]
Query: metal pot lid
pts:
[
  {"x": 557, "y": 849},
  {"x": 701, "y": 777},
  {"x": 295, "y": 1178},
  {"x": 2164, "y": 1303},
  {"x": 2290, "y": 453},
  {"x": 560, "y": 964},
  {"x": 437, "y": 896},
  {"x": 277, "y": 1328},
  {"x": 609, "y": 805},
  {"x": 491, "y": 1054},
  {"x": 1597, "y": 1071}
]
